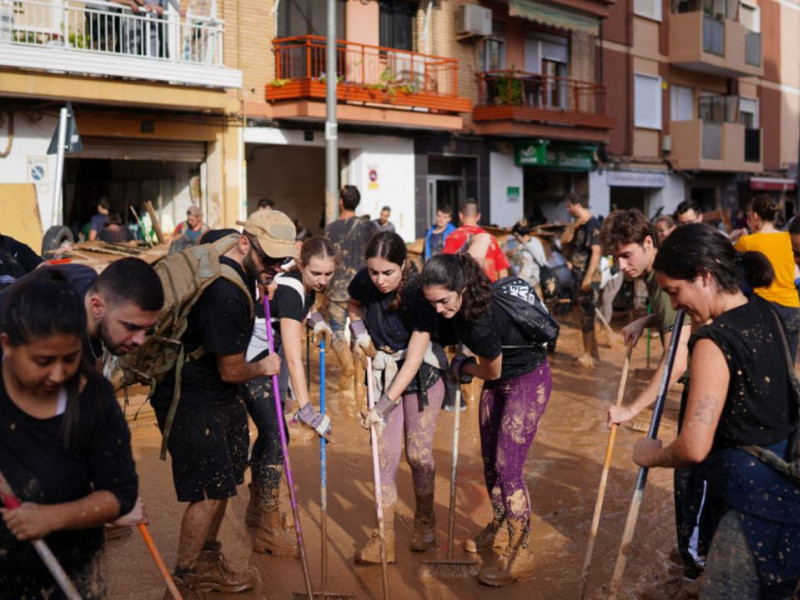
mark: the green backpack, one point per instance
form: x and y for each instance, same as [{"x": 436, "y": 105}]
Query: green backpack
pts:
[{"x": 184, "y": 276}]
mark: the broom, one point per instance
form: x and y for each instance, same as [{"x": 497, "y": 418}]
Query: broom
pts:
[
  {"x": 601, "y": 492},
  {"x": 451, "y": 567},
  {"x": 41, "y": 547},
  {"x": 641, "y": 479},
  {"x": 324, "y": 593}
]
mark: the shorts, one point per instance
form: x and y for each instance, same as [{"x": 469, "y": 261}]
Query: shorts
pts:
[{"x": 208, "y": 446}]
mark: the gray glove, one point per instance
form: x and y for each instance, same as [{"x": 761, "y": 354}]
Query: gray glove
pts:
[
  {"x": 314, "y": 420},
  {"x": 457, "y": 366},
  {"x": 320, "y": 329},
  {"x": 378, "y": 414}
]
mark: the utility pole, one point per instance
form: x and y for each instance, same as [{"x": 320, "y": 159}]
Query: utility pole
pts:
[{"x": 331, "y": 126}]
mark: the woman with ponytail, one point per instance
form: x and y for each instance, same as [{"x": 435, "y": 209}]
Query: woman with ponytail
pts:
[
  {"x": 777, "y": 247},
  {"x": 739, "y": 396},
  {"x": 392, "y": 323},
  {"x": 65, "y": 447},
  {"x": 515, "y": 393}
]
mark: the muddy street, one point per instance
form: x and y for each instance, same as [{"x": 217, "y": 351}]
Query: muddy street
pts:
[{"x": 563, "y": 472}]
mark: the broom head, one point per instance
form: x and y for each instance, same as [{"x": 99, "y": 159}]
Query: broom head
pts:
[{"x": 449, "y": 568}]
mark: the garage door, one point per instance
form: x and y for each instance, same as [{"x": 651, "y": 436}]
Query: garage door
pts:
[{"x": 139, "y": 149}]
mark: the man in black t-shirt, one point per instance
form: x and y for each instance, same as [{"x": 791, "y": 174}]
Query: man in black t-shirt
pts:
[
  {"x": 350, "y": 235},
  {"x": 582, "y": 246},
  {"x": 209, "y": 438},
  {"x": 16, "y": 259}
]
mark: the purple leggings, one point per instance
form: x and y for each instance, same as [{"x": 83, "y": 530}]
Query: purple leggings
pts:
[
  {"x": 418, "y": 427},
  {"x": 510, "y": 412}
]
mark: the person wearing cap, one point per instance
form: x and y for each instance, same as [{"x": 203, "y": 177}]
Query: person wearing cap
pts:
[
  {"x": 209, "y": 439},
  {"x": 189, "y": 232}
]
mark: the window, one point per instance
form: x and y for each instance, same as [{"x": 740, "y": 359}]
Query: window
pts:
[
  {"x": 647, "y": 101},
  {"x": 681, "y": 103},
  {"x": 397, "y": 19},
  {"x": 308, "y": 17},
  {"x": 750, "y": 17},
  {"x": 748, "y": 112},
  {"x": 493, "y": 57},
  {"x": 648, "y": 8}
]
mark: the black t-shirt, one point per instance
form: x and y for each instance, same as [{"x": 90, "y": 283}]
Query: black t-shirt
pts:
[
  {"x": 286, "y": 303},
  {"x": 586, "y": 236},
  {"x": 40, "y": 469},
  {"x": 20, "y": 252},
  {"x": 494, "y": 333},
  {"x": 391, "y": 329},
  {"x": 758, "y": 408},
  {"x": 81, "y": 278},
  {"x": 350, "y": 238},
  {"x": 221, "y": 323}
]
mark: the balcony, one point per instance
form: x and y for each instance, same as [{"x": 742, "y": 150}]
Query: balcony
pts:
[
  {"x": 368, "y": 77},
  {"x": 107, "y": 39},
  {"x": 516, "y": 103},
  {"x": 714, "y": 45},
  {"x": 699, "y": 145}
]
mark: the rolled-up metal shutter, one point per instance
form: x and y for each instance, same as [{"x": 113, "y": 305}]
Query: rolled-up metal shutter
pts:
[{"x": 142, "y": 149}]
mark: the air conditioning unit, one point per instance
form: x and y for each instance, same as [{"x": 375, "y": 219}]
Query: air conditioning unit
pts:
[{"x": 473, "y": 20}]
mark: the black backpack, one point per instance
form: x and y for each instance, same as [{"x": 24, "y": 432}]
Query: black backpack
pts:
[
  {"x": 10, "y": 269},
  {"x": 518, "y": 298}
]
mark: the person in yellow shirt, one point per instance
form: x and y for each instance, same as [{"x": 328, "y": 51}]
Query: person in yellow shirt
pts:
[{"x": 777, "y": 247}]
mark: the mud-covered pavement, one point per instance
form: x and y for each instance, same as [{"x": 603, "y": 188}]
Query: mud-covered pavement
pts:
[{"x": 563, "y": 472}]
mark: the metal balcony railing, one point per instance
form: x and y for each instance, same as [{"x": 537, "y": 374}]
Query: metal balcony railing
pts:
[
  {"x": 713, "y": 36},
  {"x": 752, "y": 48},
  {"x": 371, "y": 68},
  {"x": 108, "y": 28},
  {"x": 531, "y": 90}
]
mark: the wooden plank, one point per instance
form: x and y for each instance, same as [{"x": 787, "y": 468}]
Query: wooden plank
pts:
[
  {"x": 156, "y": 223},
  {"x": 19, "y": 214}
]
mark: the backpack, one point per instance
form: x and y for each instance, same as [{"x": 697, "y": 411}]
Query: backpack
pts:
[
  {"x": 10, "y": 269},
  {"x": 518, "y": 298},
  {"x": 790, "y": 468},
  {"x": 184, "y": 277}
]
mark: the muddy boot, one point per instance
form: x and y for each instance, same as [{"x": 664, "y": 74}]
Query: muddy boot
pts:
[
  {"x": 252, "y": 514},
  {"x": 371, "y": 553},
  {"x": 273, "y": 538},
  {"x": 188, "y": 592},
  {"x": 213, "y": 574},
  {"x": 516, "y": 561},
  {"x": 494, "y": 535},
  {"x": 424, "y": 537}
]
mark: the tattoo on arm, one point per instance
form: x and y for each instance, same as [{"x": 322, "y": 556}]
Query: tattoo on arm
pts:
[{"x": 704, "y": 413}]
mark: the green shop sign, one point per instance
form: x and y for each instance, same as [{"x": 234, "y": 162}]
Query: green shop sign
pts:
[{"x": 541, "y": 153}]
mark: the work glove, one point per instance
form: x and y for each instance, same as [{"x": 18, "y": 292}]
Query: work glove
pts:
[
  {"x": 457, "y": 367},
  {"x": 320, "y": 329},
  {"x": 377, "y": 414},
  {"x": 314, "y": 420},
  {"x": 362, "y": 343}
]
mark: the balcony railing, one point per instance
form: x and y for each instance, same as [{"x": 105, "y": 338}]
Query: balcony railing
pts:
[
  {"x": 110, "y": 28},
  {"x": 367, "y": 74},
  {"x": 530, "y": 96},
  {"x": 713, "y": 36},
  {"x": 752, "y": 48}
]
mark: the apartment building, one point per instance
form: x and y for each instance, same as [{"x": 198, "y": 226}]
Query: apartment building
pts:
[
  {"x": 155, "y": 99},
  {"x": 707, "y": 103}
]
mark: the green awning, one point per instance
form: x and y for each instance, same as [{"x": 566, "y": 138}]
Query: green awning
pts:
[{"x": 553, "y": 16}]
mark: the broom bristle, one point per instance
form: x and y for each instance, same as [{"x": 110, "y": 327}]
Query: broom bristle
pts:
[{"x": 449, "y": 569}]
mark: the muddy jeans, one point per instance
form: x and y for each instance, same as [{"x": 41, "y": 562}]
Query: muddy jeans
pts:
[
  {"x": 731, "y": 570},
  {"x": 510, "y": 412},
  {"x": 266, "y": 460},
  {"x": 417, "y": 425}
]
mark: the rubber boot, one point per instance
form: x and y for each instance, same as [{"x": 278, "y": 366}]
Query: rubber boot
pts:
[
  {"x": 213, "y": 574},
  {"x": 424, "y": 537},
  {"x": 494, "y": 535},
  {"x": 515, "y": 563},
  {"x": 371, "y": 553},
  {"x": 273, "y": 538}
]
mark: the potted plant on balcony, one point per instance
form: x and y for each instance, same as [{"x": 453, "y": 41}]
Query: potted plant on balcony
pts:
[{"x": 507, "y": 90}]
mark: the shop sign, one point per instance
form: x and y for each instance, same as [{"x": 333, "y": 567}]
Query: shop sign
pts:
[
  {"x": 636, "y": 179},
  {"x": 512, "y": 194},
  {"x": 554, "y": 156}
]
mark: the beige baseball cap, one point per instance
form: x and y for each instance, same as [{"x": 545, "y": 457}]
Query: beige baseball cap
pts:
[{"x": 274, "y": 231}]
